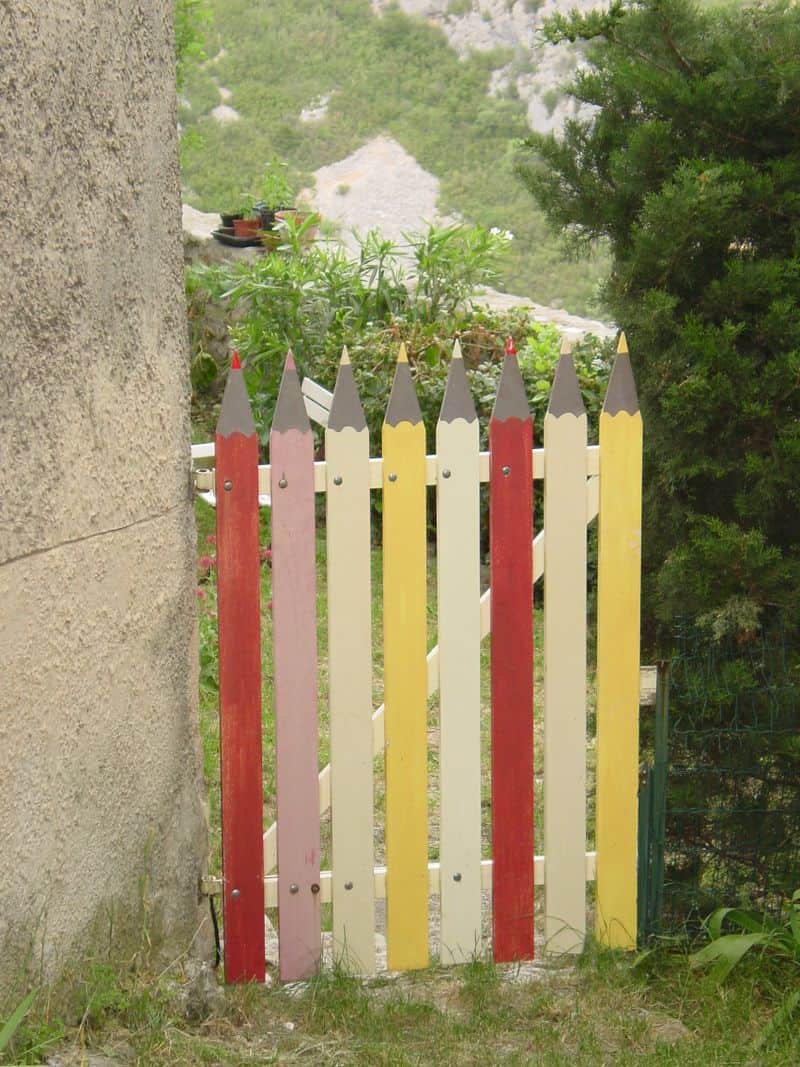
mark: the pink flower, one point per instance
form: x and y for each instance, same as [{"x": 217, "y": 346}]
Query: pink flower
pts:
[
  {"x": 266, "y": 555},
  {"x": 207, "y": 563},
  {"x": 211, "y": 539},
  {"x": 201, "y": 593}
]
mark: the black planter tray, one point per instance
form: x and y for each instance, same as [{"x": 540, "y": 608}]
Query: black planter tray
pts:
[{"x": 226, "y": 236}]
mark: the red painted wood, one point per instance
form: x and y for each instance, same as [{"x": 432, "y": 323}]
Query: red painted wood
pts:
[
  {"x": 238, "y": 607},
  {"x": 511, "y": 565},
  {"x": 295, "y": 644}
]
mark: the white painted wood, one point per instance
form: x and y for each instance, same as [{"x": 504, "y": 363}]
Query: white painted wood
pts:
[
  {"x": 459, "y": 678},
  {"x": 316, "y": 412},
  {"x": 565, "y": 682},
  {"x": 321, "y": 396},
  {"x": 350, "y": 696}
]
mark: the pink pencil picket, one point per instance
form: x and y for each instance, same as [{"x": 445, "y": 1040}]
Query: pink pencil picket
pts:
[{"x": 291, "y": 447}]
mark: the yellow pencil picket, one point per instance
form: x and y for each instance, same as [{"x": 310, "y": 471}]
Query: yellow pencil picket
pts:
[
  {"x": 565, "y": 429},
  {"x": 458, "y": 574},
  {"x": 350, "y": 675},
  {"x": 405, "y": 675},
  {"x": 618, "y": 607}
]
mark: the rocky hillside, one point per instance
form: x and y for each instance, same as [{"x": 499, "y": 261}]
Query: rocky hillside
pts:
[
  {"x": 535, "y": 73},
  {"x": 450, "y": 86}
]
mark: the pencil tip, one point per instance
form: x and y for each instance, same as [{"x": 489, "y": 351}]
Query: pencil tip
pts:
[
  {"x": 236, "y": 363},
  {"x": 402, "y": 355},
  {"x": 345, "y": 360},
  {"x": 511, "y": 348},
  {"x": 622, "y": 346}
]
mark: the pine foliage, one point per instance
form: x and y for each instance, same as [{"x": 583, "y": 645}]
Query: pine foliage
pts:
[{"x": 689, "y": 165}]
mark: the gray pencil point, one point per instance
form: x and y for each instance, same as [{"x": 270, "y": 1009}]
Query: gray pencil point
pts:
[
  {"x": 346, "y": 409},
  {"x": 235, "y": 415},
  {"x": 403, "y": 403},
  {"x": 565, "y": 395},
  {"x": 290, "y": 410},
  {"x": 511, "y": 401},
  {"x": 457, "y": 402}
]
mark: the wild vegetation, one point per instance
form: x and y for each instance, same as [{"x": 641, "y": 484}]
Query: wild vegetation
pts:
[{"x": 391, "y": 74}]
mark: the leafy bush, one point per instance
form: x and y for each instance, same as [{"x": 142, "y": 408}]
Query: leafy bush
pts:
[{"x": 316, "y": 300}]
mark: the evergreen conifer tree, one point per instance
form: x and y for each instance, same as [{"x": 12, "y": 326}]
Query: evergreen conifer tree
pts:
[{"x": 687, "y": 163}]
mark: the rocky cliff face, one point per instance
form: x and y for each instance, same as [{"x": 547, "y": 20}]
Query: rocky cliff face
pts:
[{"x": 535, "y": 72}]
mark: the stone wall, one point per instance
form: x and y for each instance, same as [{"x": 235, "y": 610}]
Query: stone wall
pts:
[{"x": 101, "y": 799}]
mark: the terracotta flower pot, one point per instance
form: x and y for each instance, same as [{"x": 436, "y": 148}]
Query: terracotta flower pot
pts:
[{"x": 246, "y": 227}]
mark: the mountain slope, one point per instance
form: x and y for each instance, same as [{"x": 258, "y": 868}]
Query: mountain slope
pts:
[{"x": 354, "y": 74}]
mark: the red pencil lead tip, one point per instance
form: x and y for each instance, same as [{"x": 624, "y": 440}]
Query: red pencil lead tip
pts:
[
  {"x": 236, "y": 363},
  {"x": 511, "y": 348}
]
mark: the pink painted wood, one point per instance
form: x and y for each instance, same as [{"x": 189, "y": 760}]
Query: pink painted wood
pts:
[
  {"x": 511, "y": 567},
  {"x": 295, "y": 659},
  {"x": 238, "y": 607}
]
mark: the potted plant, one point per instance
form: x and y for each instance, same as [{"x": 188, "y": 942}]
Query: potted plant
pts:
[{"x": 276, "y": 192}]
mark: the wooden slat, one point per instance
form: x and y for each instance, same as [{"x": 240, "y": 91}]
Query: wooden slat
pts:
[
  {"x": 295, "y": 666},
  {"x": 319, "y": 394},
  {"x": 458, "y": 575},
  {"x": 239, "y": 620},
  {"x": 405, "y": 675},
  {"x": 350, "y": 676},
  {"x": 565, "y": 430},
  {"x": 511, "y": 565},
  {"x": 270, "y": 837},
  {"x": 618, "y": 675}
]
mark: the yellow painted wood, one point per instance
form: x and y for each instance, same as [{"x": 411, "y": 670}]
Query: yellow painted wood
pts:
[
  {"x": 618, "y": 607},
  {"x": 565, "y": 515},
  {"x": 350, "y": 694},
  {"x": 458, "y": 575},
  {"x": 405, "y": 694}
]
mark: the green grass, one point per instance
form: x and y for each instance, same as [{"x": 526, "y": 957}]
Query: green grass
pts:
[
  {"x": 394, "y": 75},
  {"x": 604, "y": 1011}
]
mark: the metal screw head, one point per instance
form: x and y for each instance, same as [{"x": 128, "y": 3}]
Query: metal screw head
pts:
[
  {"x": 282, "y": 483},
  {"x": 348, "y": 885},
  {"x": 446, "y": 473},
  {"x": 236, "y": 893},
  {"x": 392, "y": 477},
  {"x": 457, "y": 876},
  {"x": 228, "y": 485},
  {"x": 338, "y": 480},
  {"x": 315, "y": 888},
  {"x": 294, "y": 888},
  {"x": 506, "y": 471}
]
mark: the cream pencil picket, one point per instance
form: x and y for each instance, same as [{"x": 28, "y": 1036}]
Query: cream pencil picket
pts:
[
  {"x": 350, "y": 675},
  {"x": 291, "y": 446},
  {"x": 458, "y": 563},
  {"x": 405, "y": 674},
  {"x": 618, "y": 607},
  {"x": 565, "y": 430}
]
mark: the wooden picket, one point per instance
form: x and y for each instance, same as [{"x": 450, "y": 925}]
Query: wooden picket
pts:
[
  {"x": 565, "y": 431},
  {"x": 618, "y": 605},
  {"x": 350, "y": 675},
  {"x": 239, "y": 614},
  {"x": 294, "y": 629},
  {"x": 405, "y": 641},
  {"x": 580, "y": 481},
  {"x": 511, "y": 566},
  {"x": 458, "y": 574}
]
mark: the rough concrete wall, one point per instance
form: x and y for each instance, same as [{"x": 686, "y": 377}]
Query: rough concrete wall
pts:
[{"x": 100, "y": 778}]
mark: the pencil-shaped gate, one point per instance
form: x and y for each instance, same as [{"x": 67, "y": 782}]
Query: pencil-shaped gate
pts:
[{"x": 579, "y": 481}]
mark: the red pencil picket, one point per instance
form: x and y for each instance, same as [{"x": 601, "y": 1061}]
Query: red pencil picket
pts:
[
  {"x": 238, "y": 608},
  {"x": 511, "y": 566},
  {"x": 291, "y": 447}
]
